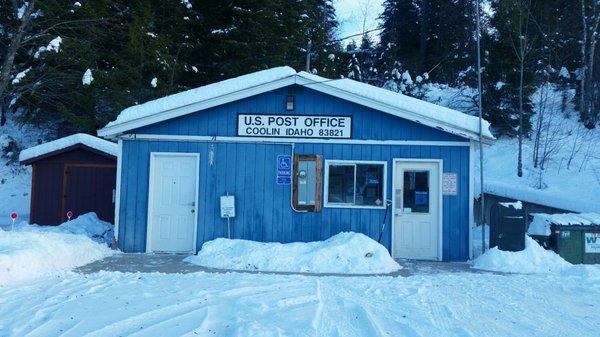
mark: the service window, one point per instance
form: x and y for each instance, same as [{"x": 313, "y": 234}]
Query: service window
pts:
[
  {"x": 306, "y": 183},
  {"x": 358, "y": 184}
]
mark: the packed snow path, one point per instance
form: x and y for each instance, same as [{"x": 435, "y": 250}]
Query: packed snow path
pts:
[{"x": 240, "y": 304}]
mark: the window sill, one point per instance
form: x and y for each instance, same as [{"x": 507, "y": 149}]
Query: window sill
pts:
[{"x": 353, "y": 206}]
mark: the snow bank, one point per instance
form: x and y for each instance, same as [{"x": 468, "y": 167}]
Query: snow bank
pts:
[
  {"x": 87, "y": 224},
  {"x": 541, "y": 223},
  {"x": 63, "y": 143},
  {"x": 534, "y": 259},
  {"x": 28, "y": 253},
  {"x": 348, "y": 252}
]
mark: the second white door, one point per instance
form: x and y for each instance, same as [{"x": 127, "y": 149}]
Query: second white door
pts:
[
  {"x": 172, "y": 218},
  {"x": 416, "y": 210}
]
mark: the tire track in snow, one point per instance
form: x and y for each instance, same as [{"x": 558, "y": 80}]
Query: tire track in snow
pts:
[{"x": 317, "y": 320}]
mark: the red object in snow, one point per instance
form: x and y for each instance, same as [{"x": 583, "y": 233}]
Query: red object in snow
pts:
[
  {"x": 69, "y": 215},
  {"x": 14, "y": 216}
]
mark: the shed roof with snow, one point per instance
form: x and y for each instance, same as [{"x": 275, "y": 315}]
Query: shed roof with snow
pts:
[{"x": 78, "y": 140}]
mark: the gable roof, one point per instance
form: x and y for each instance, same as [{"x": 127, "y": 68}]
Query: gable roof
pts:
[
  {"x": 66, "y": 143},
  {"x": 230, "y": 90}
]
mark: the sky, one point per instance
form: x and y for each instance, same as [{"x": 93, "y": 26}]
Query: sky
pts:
[{"x": 351, "y": 15}]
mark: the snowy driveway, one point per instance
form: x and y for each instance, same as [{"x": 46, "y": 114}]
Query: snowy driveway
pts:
[{"x": 236, "y": 304}]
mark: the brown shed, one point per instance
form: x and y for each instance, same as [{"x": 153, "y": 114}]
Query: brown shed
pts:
[{"x": 76, "y": 173}]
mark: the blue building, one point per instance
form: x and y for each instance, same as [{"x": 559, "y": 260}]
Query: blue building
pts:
[{"x": 301, "y": 158}]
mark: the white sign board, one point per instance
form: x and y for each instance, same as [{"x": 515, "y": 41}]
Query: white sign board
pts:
[
  {"x": 592, "y": 242},
  {"x": 450, "y": 183},
  {"x": 227, "y": 206},
  {"x": 291, "y": 126}
]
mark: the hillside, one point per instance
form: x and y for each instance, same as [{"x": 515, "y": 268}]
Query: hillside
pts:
[
  {"x": 568, "y": 172},
  {"x": 15, "y": 180}
]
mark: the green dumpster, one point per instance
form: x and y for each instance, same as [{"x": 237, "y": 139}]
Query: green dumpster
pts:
[{"x": 575, "y": 237}]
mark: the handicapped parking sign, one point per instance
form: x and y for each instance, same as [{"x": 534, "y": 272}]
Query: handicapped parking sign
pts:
[
  {"x": 284, "y": 169},
  {"x": 284, "y": 162}
]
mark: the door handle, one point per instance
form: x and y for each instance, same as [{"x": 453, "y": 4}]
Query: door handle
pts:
[{"x": 193, "y": 210}]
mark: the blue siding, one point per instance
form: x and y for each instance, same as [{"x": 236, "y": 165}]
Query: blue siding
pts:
[
  {"x": 366, "y": 123},
  {"x": 248, "y": 171}
]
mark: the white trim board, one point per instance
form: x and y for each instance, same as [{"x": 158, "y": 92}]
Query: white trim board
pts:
[
  {"x": 151, "y": 191},
  {"x": 273, "y": 140},
  {"x": 440, "y": 163},
  {"x": 118, "y": 188},
  {"x": 471, "y": 196}
]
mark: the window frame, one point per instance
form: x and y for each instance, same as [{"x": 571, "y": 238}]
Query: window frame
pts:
[{"x": 329, "y": 162}]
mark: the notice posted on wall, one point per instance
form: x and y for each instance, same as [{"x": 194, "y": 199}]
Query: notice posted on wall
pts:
[
  {"x": 290, "y": 126},
  {"x": 450, "y": 183}
]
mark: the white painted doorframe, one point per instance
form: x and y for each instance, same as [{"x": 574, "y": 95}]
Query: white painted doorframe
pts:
[
  {"x": 152, "y": 190},
  {"x": 440, "y": 163}
]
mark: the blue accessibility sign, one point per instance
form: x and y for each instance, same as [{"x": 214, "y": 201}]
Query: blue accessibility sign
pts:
[{"x": 284, "y": 169}]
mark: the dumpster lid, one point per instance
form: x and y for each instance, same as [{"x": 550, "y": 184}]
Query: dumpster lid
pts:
[{"x": 541, "y": 223}]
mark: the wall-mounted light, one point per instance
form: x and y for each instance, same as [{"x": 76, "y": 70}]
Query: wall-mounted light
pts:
[{"x": 289, "y": 103}]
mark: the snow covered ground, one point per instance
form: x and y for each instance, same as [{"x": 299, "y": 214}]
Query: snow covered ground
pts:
[
  {"x": 28, "y": 251},
  {"x": 449, "y": 302},
  {"x": 348, "y": 253},
  {"x": 237, "y": 304}
]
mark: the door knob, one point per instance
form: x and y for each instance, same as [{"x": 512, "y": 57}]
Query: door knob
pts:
[{"x": 193, "y": 211}]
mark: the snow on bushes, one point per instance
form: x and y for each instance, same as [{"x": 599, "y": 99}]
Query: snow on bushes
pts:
[
  {"x": 29, "y": 252},
  {"x": 347, "y": 252}
]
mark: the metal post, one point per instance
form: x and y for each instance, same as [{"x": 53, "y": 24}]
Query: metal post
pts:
[
  {"x": 228, "y": 223},
  {"x": 308, "y": 49},
  {"x": 482, "y": 215}
]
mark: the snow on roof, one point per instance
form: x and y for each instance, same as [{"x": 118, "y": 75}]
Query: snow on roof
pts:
[
  {"x": 397, "y": 104},
  {"x": 541, "y": 197},
  {"x": 63, "y": 143},
  {"x": 540, "y": 225},
  {"x": 201, "y": 94},
  {"x": 398, "y": 100}
]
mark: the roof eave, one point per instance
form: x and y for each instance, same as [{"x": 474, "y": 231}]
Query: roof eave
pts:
[
  {"x": 377, "y": 105},
  {"x": 115, "y": 130}
]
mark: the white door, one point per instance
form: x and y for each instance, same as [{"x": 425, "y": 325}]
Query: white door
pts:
[
  {"x": 417, "y": 209},
  {"x": 173, "y": 195}
]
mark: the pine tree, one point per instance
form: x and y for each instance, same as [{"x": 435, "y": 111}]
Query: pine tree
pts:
[{"x": 428, "y": 36}]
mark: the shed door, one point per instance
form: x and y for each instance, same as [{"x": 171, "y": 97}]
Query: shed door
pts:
[
  {"x": 172, "y": 202},
  {"x": 89, "y": 188},
  {"x": 416, "y": 210}
]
